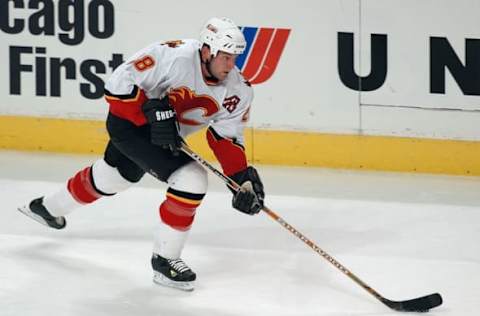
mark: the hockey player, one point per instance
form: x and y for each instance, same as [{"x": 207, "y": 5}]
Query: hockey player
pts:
[{"x": 163, "y": 93}]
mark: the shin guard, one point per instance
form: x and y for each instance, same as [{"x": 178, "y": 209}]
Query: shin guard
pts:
[{"x": 187, "y": 189}]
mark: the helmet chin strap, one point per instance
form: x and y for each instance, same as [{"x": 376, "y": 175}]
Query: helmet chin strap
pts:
[{"x": 211, "y": 77}]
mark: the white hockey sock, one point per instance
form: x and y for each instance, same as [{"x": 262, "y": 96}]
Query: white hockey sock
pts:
[
  {"x": 168, "y": 242},
  {"x": 60, "y": 203}
]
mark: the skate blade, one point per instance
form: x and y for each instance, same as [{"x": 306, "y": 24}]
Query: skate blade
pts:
[
  {"x": 160, "y": 279},
  {"x": 58, "y": 224}
]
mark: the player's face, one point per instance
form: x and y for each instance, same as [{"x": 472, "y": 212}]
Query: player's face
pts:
[{"x": 222, "y": 64}]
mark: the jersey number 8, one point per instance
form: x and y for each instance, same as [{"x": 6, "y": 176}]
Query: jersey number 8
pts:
[{"x": 144, "y": 63}]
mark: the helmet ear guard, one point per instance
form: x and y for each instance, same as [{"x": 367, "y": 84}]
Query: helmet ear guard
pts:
[{"x": 221, "y": 34}]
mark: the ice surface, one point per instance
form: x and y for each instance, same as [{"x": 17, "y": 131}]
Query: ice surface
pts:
[{"x": 406, "y": 235}]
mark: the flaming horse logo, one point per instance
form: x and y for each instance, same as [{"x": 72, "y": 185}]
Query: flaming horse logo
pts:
[{"x": 185, "y": 101}]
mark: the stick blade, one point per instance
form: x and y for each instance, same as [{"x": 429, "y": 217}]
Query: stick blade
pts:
[{"x": 420, "y": 304}]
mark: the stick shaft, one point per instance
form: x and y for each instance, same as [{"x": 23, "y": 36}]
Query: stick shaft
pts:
[
  {"x": 286, "y": 225},
  {"x": 321, "y": 252}
]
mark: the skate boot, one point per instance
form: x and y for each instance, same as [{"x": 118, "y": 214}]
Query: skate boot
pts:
[
  {"x": 173, "y": 273},
  {"x": 37, "y": 211}
]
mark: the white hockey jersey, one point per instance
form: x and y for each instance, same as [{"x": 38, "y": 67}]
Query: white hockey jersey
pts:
[{"x": 174, "y": 68}]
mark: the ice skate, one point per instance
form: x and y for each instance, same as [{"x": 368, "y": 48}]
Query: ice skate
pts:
[
  {"x": 37, "y": 211},
  {"x": 172, "y": 273}
]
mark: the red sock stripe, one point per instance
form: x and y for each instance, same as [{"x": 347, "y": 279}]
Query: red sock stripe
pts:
[
  {"x": 81, "y": 187},
  {"x": 177, "y": 214}
]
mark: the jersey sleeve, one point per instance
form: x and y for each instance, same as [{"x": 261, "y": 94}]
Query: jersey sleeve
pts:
[
  {"x": 226, "y": 139},
  {"x": 130, "y": 84},
  {"x": 149, "y": 68}
]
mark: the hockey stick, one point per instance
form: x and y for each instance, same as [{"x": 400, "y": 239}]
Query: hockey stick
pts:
[{"x": 420, "y": 304}]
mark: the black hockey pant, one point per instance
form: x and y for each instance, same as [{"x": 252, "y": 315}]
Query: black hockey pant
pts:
[{"x": 132, "y": 153}]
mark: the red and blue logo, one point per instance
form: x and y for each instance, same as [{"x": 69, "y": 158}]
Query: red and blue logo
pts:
[{"x": 262, "y": 54}]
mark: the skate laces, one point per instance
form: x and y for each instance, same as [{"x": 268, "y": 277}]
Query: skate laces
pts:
[{"x": 178, "y": 265}]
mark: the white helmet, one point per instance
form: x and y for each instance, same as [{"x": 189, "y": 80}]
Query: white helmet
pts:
[{"x": 222, "y": 34}]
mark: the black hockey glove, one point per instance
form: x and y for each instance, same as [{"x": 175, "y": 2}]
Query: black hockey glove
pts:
[
  {"x": 249, "y": 199},
  {"x": 163, "y": 124}
]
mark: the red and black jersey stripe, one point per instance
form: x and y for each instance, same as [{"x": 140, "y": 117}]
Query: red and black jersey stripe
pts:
[
  {"x": 128, "y": 106},
  {"x": 128, "y": 96}
]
